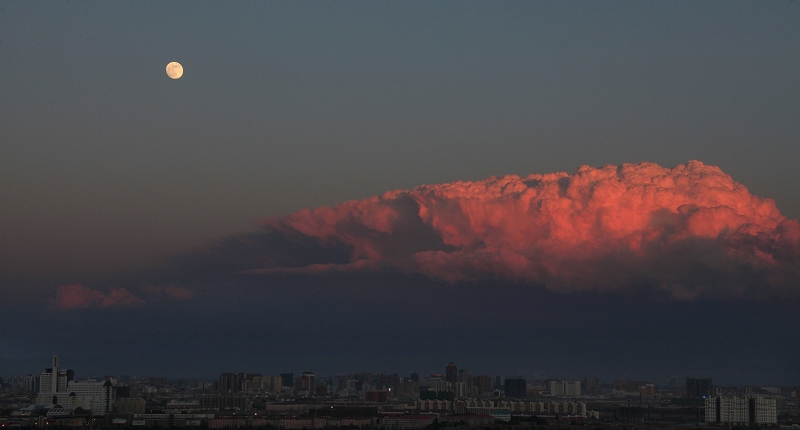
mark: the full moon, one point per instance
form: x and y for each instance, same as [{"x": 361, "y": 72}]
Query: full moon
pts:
[{"x": 174, "y": 70}]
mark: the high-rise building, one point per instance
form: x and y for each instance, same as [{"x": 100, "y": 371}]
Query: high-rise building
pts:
[
  {"x": 740, "y": 410},
  {"x": 464, "y": 376},
  {"x": 591, "y": 386},
  {"x": 733, "y": 410},
  {"x": 516, "y": 387},
  {"x": 287, "y": 379},
  {"x": 460, "y": 390},
  {"x": 483, "y": 382},
  {"x": 55, "y": 379},
  {"x": 225, "y": 382},
  {"x": 58, "y": 387},
  {"x": 647, "y": 392},
  {"x": 698, "y": 388},
  {"x": 711, "y": 410},
  {"x": 451, "y": 373},
  {"x": 230, "y": 382},
  {"x": 95, "y": 395},
  {"x": 763, "y": 410},
  {"x": 565, "y": 388},
  {"x": 31, "y": 383},
  {"x": 275, "y": 384},
  {"x": 306, "y": 382}
]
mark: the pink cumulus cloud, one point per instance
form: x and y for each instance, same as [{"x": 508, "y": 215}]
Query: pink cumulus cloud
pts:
[
  {"x": 76, "y": 296},
  {"x": 690, "y": 230}
]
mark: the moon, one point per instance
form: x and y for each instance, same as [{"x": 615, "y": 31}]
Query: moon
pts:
[{"x": 174, "y": 70}]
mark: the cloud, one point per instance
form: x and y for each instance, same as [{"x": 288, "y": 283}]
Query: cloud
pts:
[
  {"x": 690, "y": 231},
  {"x": 76, "y": 296}
]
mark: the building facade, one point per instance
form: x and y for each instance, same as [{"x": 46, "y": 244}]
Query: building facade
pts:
[
  {"x": 97, "y": 396},
  {"x": 741, "y": 410},
  {"x": 54, "y": 379},
  {"x": 451, "y": 373},
  {"x": 565, "y": 388},
  {"x": 698, "y": 388},
  {"x": 516, "y": 387},
  {"x": 763, "y": 410}
]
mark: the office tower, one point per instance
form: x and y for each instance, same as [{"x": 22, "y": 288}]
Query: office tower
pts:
[
  {"x": 306, "y": 382},
  {"x": 55, "y": 379},
  {"x": 275, "y": 384},
  {"x": 287, "y": 379},
  {"x": 483, "y": 382},
  {"x": 516, "y": 387},
  {"x": 464, "y": 376},
  {"x": 230, "y": 382},
  {"x": 451, "y": 373},
  {"x": 31, "y": 383},
  {"x": 58, "y": 387},
  {"x": 591, "y": 386},
  {"x": 698, "y": 388}
]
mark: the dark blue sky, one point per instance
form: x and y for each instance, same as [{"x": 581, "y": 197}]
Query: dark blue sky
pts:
[{"x": 107, "y": 166}]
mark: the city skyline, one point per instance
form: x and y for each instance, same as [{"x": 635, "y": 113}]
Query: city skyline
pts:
[
  {"x": 56, "y": 378},
  {"x": 368, "y": 400},
  {"x": 695, "y": 386}
]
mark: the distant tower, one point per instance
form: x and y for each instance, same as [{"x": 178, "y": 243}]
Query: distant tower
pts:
[
  {"x": 287, "y": 379},
  {"x": 53, "y": 379},
  {"x": 308, "y": 383},
  {"x": 451, "y": 373},
  {"x": 698, "y": 388},
  {"x": 516, "y": 387},
  {"x": 55, "y": 374}
]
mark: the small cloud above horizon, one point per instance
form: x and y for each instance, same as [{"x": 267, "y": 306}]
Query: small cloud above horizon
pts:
[{"x": 76, "y": 296}]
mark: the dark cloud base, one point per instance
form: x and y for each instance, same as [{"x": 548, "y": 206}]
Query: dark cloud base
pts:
[{"x": 349, "y": 322}]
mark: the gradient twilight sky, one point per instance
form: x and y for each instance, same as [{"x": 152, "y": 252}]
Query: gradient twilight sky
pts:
[{"x": 112, "y": 175}]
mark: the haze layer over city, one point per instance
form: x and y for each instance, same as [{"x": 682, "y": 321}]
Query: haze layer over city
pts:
[{"x": 546, "y": 191}]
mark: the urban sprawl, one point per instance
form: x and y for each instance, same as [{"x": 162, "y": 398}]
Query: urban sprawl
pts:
[{"x": 54, "y": 398}]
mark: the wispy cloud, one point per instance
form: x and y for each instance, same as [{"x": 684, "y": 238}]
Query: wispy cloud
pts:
[{"x": 76, "y": 296}]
